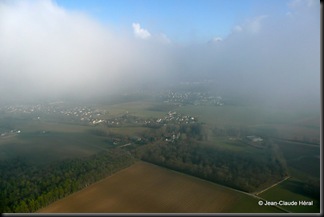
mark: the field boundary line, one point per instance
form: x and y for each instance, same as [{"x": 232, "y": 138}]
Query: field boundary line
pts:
[
  {"x": 224, "y": 186},
  {"x": 298, "y": 142},
  {"x": 275, "y": 184},
  {"x": 84, "y": 188}
]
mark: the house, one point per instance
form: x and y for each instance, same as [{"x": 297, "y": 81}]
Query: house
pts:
[{"x": 255, "y": 138}]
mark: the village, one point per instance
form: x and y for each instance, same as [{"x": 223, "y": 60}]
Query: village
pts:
[
  {"x": 59, "y": 111},
  {"x": 171, "y": 123},
  {"x": 9, "y": 133},
  {"x": 169, "y": 128},
  {"x": 171, "y": 117},
  {"x": 191, "y": 98}
]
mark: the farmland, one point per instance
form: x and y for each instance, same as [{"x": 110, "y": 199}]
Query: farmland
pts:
[
  {"x": 177, "y": 193},
  {"x": 246, "y": 147},
  {"x": 305, "y": 158},
  {"x": 290, "y": 190}
]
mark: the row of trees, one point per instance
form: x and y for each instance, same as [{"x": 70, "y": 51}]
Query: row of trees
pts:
[
  {"x": 24, "y": 188},
  {"x": 240, "y": 171}
]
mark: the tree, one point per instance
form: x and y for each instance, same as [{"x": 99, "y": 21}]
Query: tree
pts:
[{"x": 22, "y": 207}]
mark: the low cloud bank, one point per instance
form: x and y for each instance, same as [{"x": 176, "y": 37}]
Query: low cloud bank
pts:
[{"x": 48, "y": 51}]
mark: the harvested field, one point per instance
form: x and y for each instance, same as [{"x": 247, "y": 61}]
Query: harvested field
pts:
[{"x": 146, "y": 188}]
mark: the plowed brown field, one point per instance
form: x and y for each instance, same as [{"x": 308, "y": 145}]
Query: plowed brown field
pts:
[{"x": 146, "y": 188}]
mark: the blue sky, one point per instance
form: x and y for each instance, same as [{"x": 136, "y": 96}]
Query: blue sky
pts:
[{"x": 179, "y": 20}]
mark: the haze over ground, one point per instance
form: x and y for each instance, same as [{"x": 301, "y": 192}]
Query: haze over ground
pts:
[{"x": 51, "y": 50}]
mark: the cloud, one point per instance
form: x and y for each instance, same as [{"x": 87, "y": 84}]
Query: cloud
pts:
[
  {"x": 302, "y": 7},
  {"x": 217, "y": 39},
  {"x": 237, "y": 28},
  {"x": 48, "y": 51},
  {"x": 296, "y": 4},
  {"x": 252, "y": 25},
  {"x": 139, "y": 32},
  {"x": 163, "y": 38},
  {"x": 255, "y": 25}
]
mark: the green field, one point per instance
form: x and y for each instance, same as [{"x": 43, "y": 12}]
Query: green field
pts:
[
  {"x": 301, "y": 157},
  {"x": 41, "y": 149},
  {"x": 146, "y": 188},
  {"x": 236, "y": 145},
  {"x": 302, "y": 154},
  {"x": 260, "y": 119},
  {"x": 138, "y": 108},
  {"x": 289, "y": 190},
  {"x": 44, "y": 142}
]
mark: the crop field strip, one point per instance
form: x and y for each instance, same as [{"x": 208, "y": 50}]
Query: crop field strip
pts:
[
  {"x": 296, "y": 159},
  {"x": 283, "y": 191},
  {"x": 146, "y": 188}
]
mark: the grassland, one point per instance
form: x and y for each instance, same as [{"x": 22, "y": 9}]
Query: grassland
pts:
[
  {"x": 235, "y": 145},
  {"x": 49, "y": 139},
  {"x": 302, "y": 159},
  {"x": 261, "y": 119},
  {"x": 146, "y": 188},
  {"x": 40, "y": 149},
  {"x": 138, "y": 108},
  {"x": 44, "y": 142},
  {"x": 289, "y": 191},
  {"x": 297, "y": 134}
]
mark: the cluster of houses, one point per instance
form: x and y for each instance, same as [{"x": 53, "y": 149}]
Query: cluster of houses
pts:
[
  {"x": 171, "y": 118},
  {"x": 81, "y": 114},
  {"x": 27, "y": 109},
  {"x": 124, "y": 120},
  {"x": 191, "y": 98},
  {"x": 9, "y": 132},
  {"x": 90, "y": 116},
  {"x": 174, "y": 117},
  {"x": 84, "y": 114},
  {"x": 131, "y": 120},
  {"x": 254, "y": 138}
]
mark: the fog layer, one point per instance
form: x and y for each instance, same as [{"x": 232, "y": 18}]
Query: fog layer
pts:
[{"x": 48, "y": 51}]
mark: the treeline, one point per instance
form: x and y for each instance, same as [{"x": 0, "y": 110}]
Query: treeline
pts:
[
  {"x": 24, "y": 188},
  {"x": 239, "y": 171},
  {"x": 312, "y": 188},
  {"x": 187, "y": 131}
]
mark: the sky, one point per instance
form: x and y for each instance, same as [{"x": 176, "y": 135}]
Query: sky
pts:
[
  {"x": 54, "y": 48},
  {"x": 181, "y": 20}
]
